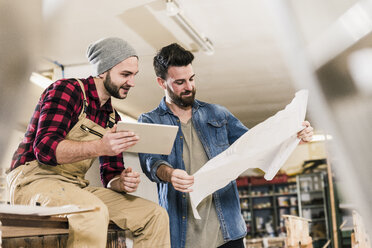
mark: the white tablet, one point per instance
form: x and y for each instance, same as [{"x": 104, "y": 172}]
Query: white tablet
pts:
[{"x": 154, "y": 138}]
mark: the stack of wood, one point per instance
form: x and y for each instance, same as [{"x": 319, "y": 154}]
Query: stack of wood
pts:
[
  {"x": 297, "y": 232},
  {"x": 359, "y": 239}
]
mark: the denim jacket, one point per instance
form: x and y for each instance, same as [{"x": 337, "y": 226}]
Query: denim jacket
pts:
[{"x": 217, "y": 129}]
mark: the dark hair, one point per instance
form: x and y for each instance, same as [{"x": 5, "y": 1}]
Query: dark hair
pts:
[{"x": 171, "y": 55}]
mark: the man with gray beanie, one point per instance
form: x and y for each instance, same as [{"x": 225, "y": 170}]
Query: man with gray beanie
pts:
[{"x": 74, "y": 123}]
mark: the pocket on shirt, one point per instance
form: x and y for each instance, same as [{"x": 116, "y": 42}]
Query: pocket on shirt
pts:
[{"x": 219, "y": 131}]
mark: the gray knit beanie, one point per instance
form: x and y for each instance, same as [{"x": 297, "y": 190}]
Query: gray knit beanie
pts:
[{"x": 106, "y": 53}]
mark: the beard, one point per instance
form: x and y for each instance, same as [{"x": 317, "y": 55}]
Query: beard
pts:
[
  {"x": 180, "y": 101},
  {"x": 111, "y": 88}
]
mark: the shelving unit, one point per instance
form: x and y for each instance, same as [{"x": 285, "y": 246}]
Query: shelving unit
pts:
[
  {"x": 263, "y": 205},
  {"x": 312, "y": 202},
  {"x": 345, "y": 222}
]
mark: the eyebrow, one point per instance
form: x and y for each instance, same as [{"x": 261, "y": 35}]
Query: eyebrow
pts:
[
  {"x": 182, "y": 80},
  {"x": 129, "y": 72}
]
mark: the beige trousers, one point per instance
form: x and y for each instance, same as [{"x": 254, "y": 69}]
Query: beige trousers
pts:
[{"x": 146, "y": 220}]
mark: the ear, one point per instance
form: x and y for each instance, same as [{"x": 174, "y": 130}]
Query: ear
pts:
[
  {"x": 161, "y": 83},
  {"x": 102, "y": 75}
]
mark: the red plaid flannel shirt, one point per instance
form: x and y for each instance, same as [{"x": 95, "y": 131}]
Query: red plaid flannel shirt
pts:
[{"x": 56, "y": 113}]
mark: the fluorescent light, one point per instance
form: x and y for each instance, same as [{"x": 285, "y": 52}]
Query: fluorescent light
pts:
[
  {"x": 357, "y": 20},
  {"x": 321, "y": 137},
  {"x": 40, "y": 80},
  {"x": 174, "y": 11},
  {"x": 172, "y": 8}
]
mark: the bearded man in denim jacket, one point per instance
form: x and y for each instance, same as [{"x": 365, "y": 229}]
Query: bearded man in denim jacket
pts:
[{"x": 205, "y": 130}]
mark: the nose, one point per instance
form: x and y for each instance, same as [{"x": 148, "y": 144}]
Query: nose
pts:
[
  {"x": 130, "y": 81},
  {"x": 189, "y": 85}
]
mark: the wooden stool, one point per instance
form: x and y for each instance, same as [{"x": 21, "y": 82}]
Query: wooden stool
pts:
[{"x": 297, "y": 232}]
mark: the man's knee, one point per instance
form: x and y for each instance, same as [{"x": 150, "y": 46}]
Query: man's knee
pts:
[
  {"x": 97, "y": 220},
  {"x": 102, "y": 213},
  {"x": 160, "y": 212}
]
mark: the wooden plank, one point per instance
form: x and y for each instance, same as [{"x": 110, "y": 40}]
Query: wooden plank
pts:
[
  {"x": 52, "y": 241},
  {"x": 23, "y": 242},
  {"x": 333, "y": 204},
  {"x": 46, "y": 232},
  {"x": 33, "y": 221},
  {"x": 115, "y": 239},
  {"x": 11, "y": 231}
]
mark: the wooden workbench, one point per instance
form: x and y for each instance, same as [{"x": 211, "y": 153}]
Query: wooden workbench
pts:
[{"x": 45, "y": 232}]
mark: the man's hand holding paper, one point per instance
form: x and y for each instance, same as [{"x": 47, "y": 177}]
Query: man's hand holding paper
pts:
[
  {"x": 181, "y": 181},
  {"x": 306, "y": 134}
]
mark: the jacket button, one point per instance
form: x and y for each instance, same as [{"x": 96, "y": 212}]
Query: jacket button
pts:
[
  {"x": 181, "y": 137},
  {"x": 178, "y": 120},
  {"x": 183, "y": 195},
  {"x": 183, "y": 217}
]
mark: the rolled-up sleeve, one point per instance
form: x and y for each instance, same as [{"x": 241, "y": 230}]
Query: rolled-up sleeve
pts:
[{"x": 111, "y": 166}]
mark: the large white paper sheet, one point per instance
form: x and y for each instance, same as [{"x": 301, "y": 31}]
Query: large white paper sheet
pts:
[{"x": 266, "y": 146}]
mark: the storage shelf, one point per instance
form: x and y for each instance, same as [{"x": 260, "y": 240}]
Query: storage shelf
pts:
[
  {"x": 244, "y": 196},
  {"x": 313, "y": 200},
  {"x": 313, "y": 206},
  {"x": 266, "y": 208},
  {"x": 318, "y": 219},
  {"x": 282, "y": 193},
  {"x": 264, "y": 194},
  {"x": 312, "y": 192},
  {"x": 267, "y": 195},
  {"x": 260, "y": 196},
  {"x": 285, "y": 194}
]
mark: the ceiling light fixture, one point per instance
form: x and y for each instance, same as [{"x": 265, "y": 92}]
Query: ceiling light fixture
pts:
[
  {"x": 40, "y": 80},
  {"x": 174, "y": 11}
]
